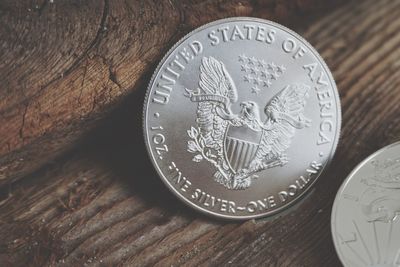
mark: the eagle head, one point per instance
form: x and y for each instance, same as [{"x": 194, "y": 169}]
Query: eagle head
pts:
[{"x": 250, "y": 114}]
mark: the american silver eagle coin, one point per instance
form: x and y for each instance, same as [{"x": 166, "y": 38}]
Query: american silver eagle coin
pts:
[
  {"x": 366, "y": 212},
  {"x": 241, "y": 117}
]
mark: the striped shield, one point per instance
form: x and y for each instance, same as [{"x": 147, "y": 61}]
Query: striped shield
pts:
[{"x": 241, "y": 144}]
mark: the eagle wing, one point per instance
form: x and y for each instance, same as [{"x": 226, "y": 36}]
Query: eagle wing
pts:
[
  {"x": 214, "y": 80},
  {"x": 284, "y": 114}
]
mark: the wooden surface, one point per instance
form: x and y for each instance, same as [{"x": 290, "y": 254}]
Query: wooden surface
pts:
[
  {"x": 64, "y": 65},
  {"x": 76, "y": 185}
]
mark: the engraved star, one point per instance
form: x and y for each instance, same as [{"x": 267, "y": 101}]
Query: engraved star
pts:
[
  {"x": 267, "y": 83},
  {"x": 255, "y": 90},
  {"x": 253, "y": 70},
  {"x": 257, "y": 80},
  {"x": 247, "y": 78},
  {"x": 245, "y": 67},
  {"x": 273, "y": 76},
  {"x": 252, "y": 60},
  {"x": 242, "y": 58},
  {"x": 264, "y": 73},
  {"x": 261, "y": 63},
  {"x": 280, "y": 69},
  {"x": 271, "y": 66}
]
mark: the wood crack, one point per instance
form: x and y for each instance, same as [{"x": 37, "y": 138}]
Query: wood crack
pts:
[{"x": 21, "y": 129}]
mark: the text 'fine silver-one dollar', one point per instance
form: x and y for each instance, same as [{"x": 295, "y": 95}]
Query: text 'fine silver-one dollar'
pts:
[
  {"x": 241, "y": 117},
  {"x": 366, "y": 212}
]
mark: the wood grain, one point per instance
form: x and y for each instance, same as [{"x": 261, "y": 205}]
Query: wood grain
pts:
[
  {"x": 102, "y": 204},
  {"x": 64, "y": 65}
]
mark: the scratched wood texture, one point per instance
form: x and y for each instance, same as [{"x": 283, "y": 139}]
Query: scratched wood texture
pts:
[
  {"x": 64, "y": 66},
  {"x": 76, "y": 187}
]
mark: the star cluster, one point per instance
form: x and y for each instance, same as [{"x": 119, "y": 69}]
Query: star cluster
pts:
[{"x": 259, "y": 73}]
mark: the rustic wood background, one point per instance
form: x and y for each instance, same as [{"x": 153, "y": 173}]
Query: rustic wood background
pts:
[{"x": 76, "y": 186}]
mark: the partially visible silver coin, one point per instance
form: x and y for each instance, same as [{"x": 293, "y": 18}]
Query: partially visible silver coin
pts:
[
  {"x": 366, "y": 212},
  {"x": 241, "y": 117}
]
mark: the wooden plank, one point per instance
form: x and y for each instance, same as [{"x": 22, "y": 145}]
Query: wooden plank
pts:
[{"x": 64, "y": 64}]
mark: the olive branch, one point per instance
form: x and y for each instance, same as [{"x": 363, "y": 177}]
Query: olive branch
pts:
[{"x": 198, "y": 146}]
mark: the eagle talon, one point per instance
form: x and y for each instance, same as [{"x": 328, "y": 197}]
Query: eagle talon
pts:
[
  {"x": 241, "y": 182},
  {"x": 242, "y": 174},
  {"x": 283, "y": 160}
]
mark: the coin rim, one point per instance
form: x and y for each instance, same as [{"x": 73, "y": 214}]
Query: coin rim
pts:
[
  {"x": 146, "y": 107},
  {"x": 341, "y": 190}
]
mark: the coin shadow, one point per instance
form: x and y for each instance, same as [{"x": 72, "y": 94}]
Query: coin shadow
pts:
[{"x": 118, "y": 144}]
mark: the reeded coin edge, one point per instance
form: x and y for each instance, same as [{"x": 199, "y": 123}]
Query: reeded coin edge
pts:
[
  {"x": 146, "y": 105},
  {"x": 341, "y": 190}
]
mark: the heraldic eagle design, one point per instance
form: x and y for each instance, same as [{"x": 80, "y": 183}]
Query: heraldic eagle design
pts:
[{"x": 240, "y": 145}]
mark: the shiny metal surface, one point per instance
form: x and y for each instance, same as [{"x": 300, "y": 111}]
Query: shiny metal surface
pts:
[
  {"x": 241, "y": 117},
  {"x": 366, "y": 212}
]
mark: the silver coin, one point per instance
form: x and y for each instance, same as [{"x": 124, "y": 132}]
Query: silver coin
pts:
[
  {"x": 241, "y": 117},
  {"x": 366, "y": 212}
]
